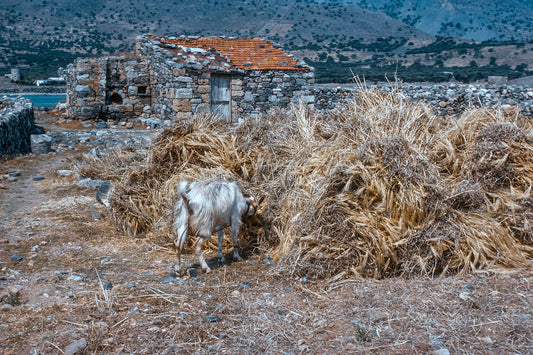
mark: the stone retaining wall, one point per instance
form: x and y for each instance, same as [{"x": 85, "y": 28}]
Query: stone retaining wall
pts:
[
  {"x": 446, "y": 99},
  {"x": 16, "y": 125}
]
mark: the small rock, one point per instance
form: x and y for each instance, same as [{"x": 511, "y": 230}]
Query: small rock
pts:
[
  {"x": 135, "y": 310},
  {"x": 12, "y": 172},
  {"x": 89, "y": 183},
  {"x": 129, "y": 285},
  {"x": 222, "y": 336},
  {"x": 41, "y": 144},
  {"x": 439, "y": 352},
  {"x": 212, "y": 319},
  {"x": 101, "y": 124},
  {"x": 282, "y": 313},
  {"x": 75, "y": 278},
  {"x": 76, "y": 347},
  {"x": 168, "y": 280},
  {"x": 524, "y": 318},
  {"x": 192, "y": 272},
  {"x": 108, "y": 341},
  {"x": 5, "y": 307},
  {"x": 486, "y": 340},
  {"x": 11, "y": 179},
  {"x": 16, "y": 257},
  {"x": 96, "y": 216},
  {"x": 95, "y": 153},
  {"x": 443, "y": 104},
  {"x": 172, "y": 273},
  {"x": 64, "y": 172},
  {"x": 245, "y": 285},
  {"x": 169, "y": 351},
  {"x": 468, "y": 288},
  {"x": 38, "y": 178},
  {"x": 108, "y": 285},
  {"x": 129, "y": 125}
]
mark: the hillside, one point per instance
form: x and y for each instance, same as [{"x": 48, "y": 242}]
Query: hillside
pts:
[
  {"x": 478, "y": 20},
  {"x": 339, "y": 39},
  {"x": 52, "y": 33}
]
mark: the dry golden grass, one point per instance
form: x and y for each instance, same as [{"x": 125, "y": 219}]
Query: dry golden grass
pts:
[{"x": 377, "y": 188}]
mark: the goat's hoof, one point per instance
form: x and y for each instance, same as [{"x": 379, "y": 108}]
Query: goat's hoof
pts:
[
  {"x": 237, "y": 257},
  {"x": 221, "y": 260},
  {"x": 207, "y": 270}
]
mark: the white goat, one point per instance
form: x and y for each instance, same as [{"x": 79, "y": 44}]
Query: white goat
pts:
[{"x": 208, "y": 206}]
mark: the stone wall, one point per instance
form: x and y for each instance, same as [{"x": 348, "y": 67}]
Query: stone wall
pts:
[
  {"x": 446, "y": 99},
  {"x": 16, "y": 125},
  {"x": 114, "y": 88},
  {"x": 258, "y": 91},
  {"x": 177, "y": 92},
  {"x": 183, "y": 90}
]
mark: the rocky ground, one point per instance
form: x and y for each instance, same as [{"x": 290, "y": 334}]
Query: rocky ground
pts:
[{"x": 71, "y": 283}]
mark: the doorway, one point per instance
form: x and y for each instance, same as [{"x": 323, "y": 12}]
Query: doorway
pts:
[{"x": 220, "y": 96}]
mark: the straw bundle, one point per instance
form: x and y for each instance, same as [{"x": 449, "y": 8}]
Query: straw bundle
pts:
[{"x": 376, "y": 188}]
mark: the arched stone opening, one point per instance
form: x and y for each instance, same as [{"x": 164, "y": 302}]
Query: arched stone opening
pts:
[{"x": 115, "y": 99}]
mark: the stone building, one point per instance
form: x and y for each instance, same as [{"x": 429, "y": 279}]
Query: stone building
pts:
[{"x": 176, "y": 78}]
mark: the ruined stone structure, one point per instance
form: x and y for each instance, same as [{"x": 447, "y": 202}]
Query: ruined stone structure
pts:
[
  {"x": 107, "y": 88},
  {"x": 17, "y": 124},
  {"x": 177, "y": 78}
]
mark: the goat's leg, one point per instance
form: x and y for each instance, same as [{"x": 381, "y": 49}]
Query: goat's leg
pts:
[
  {"x": 220, "y": 256},
  {"x": 198, "y": 247},
  {"x": 182, "y": 232},
  {"x": 235, "y": 224}
]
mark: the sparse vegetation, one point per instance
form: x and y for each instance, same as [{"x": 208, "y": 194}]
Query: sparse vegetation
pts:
[{"x": 377, "y": 70}]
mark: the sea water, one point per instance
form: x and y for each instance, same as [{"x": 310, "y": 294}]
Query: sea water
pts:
[{"x": 43, "y": 100}]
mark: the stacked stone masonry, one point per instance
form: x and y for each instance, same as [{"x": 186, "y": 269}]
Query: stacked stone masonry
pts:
[
  {"x": 175, "y": 82},
  {"x": 17, "y": 124},
  {"x": 107, "y": 88},
  {"x": 445, "y": 99}
]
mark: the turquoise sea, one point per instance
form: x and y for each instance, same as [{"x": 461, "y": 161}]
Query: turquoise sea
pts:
[{"x": 43, "y": 100}]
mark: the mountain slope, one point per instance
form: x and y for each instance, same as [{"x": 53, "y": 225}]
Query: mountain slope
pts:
[
  {"x": 46, "y": 32},
  {"x": 468, "y": 19}
]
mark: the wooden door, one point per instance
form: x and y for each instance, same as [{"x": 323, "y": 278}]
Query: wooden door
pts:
[{"x": 220, "y": 96}]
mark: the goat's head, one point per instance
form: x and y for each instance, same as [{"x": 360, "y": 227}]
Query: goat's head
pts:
[{"x": 251, "y": 206}]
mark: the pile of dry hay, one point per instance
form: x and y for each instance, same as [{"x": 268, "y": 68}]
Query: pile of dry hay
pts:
[{"x": 377, "y": 188}]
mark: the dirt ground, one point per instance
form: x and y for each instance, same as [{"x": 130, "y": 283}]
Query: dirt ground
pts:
[{"x": 71, "y": 283}]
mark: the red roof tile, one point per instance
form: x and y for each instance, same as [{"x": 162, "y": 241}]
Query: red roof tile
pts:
[{"x": 244, "y": 53}]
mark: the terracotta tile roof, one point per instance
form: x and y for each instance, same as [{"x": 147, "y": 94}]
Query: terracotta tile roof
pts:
[{"x": 243, "y": 53}]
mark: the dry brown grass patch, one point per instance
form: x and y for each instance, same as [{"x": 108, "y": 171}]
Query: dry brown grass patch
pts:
[{"x": 376, "y": 188}]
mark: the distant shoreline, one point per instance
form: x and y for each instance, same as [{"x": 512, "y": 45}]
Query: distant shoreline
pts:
[{"x": 31, "y": 93}]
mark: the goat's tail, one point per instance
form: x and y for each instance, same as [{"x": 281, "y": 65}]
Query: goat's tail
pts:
[{"x": 180, "y": 226}]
